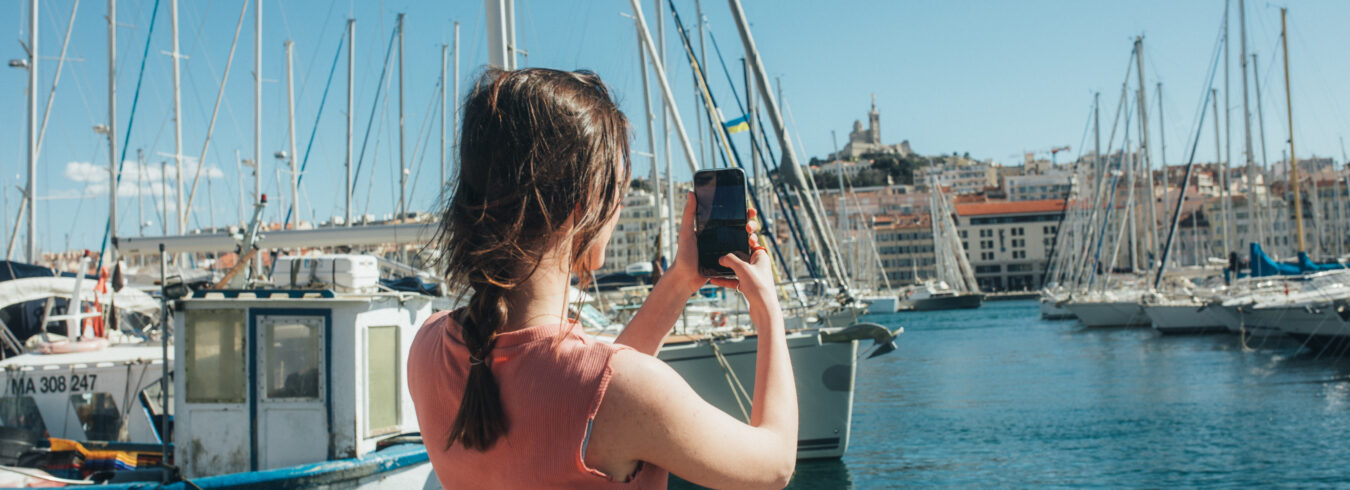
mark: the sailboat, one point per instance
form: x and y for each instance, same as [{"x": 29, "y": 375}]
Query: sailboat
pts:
[{"x": 955, "y": 286}]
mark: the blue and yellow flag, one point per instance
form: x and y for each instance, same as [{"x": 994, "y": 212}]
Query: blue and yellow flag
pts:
[{"x": 736, "y": 125}]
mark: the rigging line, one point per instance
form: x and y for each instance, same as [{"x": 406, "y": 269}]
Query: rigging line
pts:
[
  {"x": 805, "y": 240},
  {"x": 201, "y": 162},
  {"x": 323, "y": 36},
  {"x": 728, "y": 146},
  {"x": 323, "y": 100},
  {"x": 424, "y": 136},
  {"x": 135, "y": 99},
  {"x": 380, "y": 132},
  {"x": 51, "y": 94},
  {"x": 736, "y": 96},
  {"x": 379, "y": 90}
]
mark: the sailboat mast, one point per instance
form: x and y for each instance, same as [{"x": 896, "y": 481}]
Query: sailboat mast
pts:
[
  {"x": 1223, "y": 174},
  {"x": 1146, "y": 150},
  {"x": 351, "y": 113},
  {"x": 112, "y": 128},
  {"x": 454, "y": 126},
  {"x": 1162, "y": 155},
  {"x": 30, "y": 193},
  {"x": 402, "y": 163},
  {"x": 177, "y": 120},
  {"x": 650, "y": 119},
  {"x": 665, "y": 142},
  {"x": 290, "y": 123},
  {"x": 1227, "y": 139},
  {"x": 666, "y": 94},
  {"x": 790, "y": 160},
  {"x": 1257, "y": 212},
  {"x": 257, "y": 108},
  {"x": 1289, "y": 109},
  {"x": 444, "y": 60}
]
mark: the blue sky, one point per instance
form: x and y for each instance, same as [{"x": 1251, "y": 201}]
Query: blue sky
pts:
[{"x": 991, "y": 78}]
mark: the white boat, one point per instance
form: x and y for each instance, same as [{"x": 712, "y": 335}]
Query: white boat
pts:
[
  {"x": 1112, "y": 309},
  {"x": 1181, "y": 312},
  {"x": 722, "y": 371},
  {"x": 1183, "y": 317},
  {"x": 881, "y": 303},
  {"x": 937, "y": 295},
  {"x": 1052, "y": 307},
  {"x": 1316, "y": 311}
]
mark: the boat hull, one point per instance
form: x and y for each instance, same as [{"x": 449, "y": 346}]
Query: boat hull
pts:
[
  {"x": 955, "y": 302},
  {"x": 1183, "y": 319},
  {"x": 1051, "y": 310},
  {"x": 882, "y": 304},
  {"x": 1109, "y": 314},
  {"x": 1236, "y": 321},
  {"x": 1324, "y": 327},
  {"x": 824, "y": 372},
  {"x": 397, "y": 467}
]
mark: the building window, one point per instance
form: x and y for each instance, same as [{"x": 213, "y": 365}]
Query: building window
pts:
[
  {"x": 1019, "y": 254},
  {"x": 215, "y": 356}
]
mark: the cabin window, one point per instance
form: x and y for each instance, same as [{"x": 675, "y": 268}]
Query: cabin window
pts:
[
  {"x": 382, "y": 361},
  {"x": 21, "y": 412},
  {"x": 215, "y": 356},
  {"x": 98, "y": 415},
  {"x": 291, "y": 345}
]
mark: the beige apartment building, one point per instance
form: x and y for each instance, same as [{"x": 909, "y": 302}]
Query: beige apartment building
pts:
[{"x": 1009, "y": 243}]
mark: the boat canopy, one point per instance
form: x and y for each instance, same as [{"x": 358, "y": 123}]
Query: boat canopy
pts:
[
  {"x": 1307, "y": 265},
  {"x": 27, "y": 289},
  {"x": 1263, "y": 265}
]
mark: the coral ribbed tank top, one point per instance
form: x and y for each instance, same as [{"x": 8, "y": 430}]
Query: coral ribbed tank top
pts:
[{"x": 552, "y": 379}]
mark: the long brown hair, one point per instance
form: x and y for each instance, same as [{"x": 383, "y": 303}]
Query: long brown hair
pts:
[{"x": 538, "y": 147}]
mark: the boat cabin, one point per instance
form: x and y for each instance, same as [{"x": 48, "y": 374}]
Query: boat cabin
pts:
[{"x": 284, "y": 377}]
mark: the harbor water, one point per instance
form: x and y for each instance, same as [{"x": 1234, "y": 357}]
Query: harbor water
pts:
[{"x": 998, "y": 397}]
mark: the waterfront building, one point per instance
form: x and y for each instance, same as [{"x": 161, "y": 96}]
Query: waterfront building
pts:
[
  {"x": 1009, "y": 243},
  {"x": 1037, "y": 187},
  {"x": 905, "y": 245}
]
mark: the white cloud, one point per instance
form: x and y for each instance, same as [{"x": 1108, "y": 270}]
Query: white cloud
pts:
[{"x": 136, "y": 179}]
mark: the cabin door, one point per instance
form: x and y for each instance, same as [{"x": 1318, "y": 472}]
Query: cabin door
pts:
[{"x": 291, "y": 388}]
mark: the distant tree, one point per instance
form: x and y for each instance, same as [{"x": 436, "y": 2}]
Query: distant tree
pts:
[{"x": 639, "y": 184}]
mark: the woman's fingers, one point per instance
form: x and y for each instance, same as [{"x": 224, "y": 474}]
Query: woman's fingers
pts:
[
  {"x": 687, "y": 222},
  {"x": 725, "y": 282},
  {"x": 731, "y": 261}
]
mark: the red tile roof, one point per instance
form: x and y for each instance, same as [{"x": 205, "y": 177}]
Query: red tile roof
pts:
[{"x": 1010, "y": 207}]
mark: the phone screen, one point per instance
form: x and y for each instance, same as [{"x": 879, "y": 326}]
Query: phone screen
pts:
[{"x": 721, "y": 219}]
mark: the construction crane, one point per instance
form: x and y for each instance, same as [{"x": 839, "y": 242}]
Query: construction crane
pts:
[{"x": 1052, "y": 151}]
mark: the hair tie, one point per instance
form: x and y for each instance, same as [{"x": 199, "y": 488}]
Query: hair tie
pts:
[{"x": 474, "y": 361}]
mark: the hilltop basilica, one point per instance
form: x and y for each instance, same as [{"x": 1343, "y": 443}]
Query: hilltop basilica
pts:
[{"x": 868, "y": 141}]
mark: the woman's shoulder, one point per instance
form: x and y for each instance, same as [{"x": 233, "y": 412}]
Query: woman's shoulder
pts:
[{"x": 640, "y": 380}]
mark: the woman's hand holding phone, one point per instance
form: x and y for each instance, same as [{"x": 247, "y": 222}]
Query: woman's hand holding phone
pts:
[{"x": 754, "y": 279}]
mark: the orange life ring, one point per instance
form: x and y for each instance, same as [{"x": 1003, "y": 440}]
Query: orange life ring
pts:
[{"x": 718, "y": 319}]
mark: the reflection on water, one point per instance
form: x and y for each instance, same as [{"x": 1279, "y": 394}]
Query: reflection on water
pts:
[{"x": 998, "y": 397}]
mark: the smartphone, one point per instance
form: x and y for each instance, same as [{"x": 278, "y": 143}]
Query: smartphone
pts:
[{"x": 720, "y": 219}]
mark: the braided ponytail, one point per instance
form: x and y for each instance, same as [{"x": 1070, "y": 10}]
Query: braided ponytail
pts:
[
  {"x": 480, "y": 419},
  {"x": 538, "y": 147}
]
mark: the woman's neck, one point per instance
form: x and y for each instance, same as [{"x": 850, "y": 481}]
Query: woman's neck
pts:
[{"x": 541, "y": 299}]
